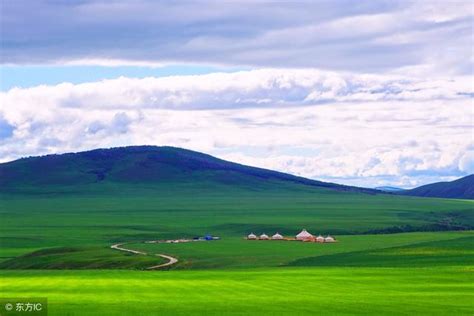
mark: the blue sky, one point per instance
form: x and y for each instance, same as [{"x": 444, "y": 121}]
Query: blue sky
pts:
[
  {"x": 25, "y": 76},
  {"x": 365, "y": 93}
]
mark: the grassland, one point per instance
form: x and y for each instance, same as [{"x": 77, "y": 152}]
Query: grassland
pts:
[
  {"x": 85, "y": 219},
  {"x": 269, "y": 291},
  {"x": 239, "y": 253},
  {"x": 450, "y": 252},
  {"x": 56, "y": 244}
]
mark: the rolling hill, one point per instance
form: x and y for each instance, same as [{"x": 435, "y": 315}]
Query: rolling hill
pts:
[
  {"x": 462, "y": 188},
  {"x": 60, "y": 214},
  {"x": 144, "y": 165}
]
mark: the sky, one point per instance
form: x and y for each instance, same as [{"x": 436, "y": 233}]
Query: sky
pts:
[{"x": 366, "y": 93}]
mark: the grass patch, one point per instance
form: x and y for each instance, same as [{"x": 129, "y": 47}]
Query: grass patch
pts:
[
  {"x": 239, "y": 253},
  {"x": 452, "y": 252},
  {"x": 80, "y": 258},
  {"x": 270, "y": 291}
]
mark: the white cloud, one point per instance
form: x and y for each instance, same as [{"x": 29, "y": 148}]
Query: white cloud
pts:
[
  {"x": 257, "y": 88},
  {"x": 355, "y": 129},
  {"x": 466, "y": 162}
]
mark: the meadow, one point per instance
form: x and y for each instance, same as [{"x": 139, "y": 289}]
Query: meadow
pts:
[
  {"x": 266, "y": 291},
  {"x": 95, "y": 218},
  {"x": 239, "y": 253},
  {"x": 57, "y": 245}
]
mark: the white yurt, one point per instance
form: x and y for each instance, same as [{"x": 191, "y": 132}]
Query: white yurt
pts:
[
  {"x": 304, "y": 235},
  {"x": 320, "y": 238},
  {"x": 251, "y": 236},
  {"x": 329, "y": 239},
  {"x": 263, "y": 236},
  {"x": 277, "y": 236}
]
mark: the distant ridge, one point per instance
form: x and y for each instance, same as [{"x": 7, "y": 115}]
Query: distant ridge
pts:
[
  {"x": 389, "y": 189},
  {"x": 145, "y": 164},
  {"x": 462, "y": 188}
]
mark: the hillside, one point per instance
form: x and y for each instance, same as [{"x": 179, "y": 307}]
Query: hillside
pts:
[
  {"x": 144, "y": 165},
  {"x": 65, "y": 211},
  {"x": 462, "y": 188}
]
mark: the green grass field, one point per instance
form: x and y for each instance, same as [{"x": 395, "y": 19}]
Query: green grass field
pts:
[
  {"x": 267, "y": 291},
  {"x": 86, "y": 219},
  {"x": 57, "y": 245},
  {"x": 240, "y": 253}
]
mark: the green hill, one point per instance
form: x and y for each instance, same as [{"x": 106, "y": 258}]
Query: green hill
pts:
[
  {"x": 147, "y": 165},
  {"x": 64, "y": 211},
  {"x": 462, "y": 188},
  {"x": 61, "y": 213}
]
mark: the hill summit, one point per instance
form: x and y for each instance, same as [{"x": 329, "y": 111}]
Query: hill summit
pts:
[{"x": 145, "y": 165}]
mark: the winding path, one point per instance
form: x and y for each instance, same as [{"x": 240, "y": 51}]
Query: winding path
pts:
[{"x": 171, "y": 260}]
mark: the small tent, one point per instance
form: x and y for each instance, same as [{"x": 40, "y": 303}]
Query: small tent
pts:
[
  {"x": 277, "y": 236},
  {"x": 320, "y": 238},
  {"x": 329, "y": 239},
  {"x": 251, "y": 236},
  {"x": 264, "y": 236},
  {"x": 304, "y": 235}
]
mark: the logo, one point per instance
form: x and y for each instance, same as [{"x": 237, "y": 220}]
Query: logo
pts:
[
  {"x": 8, "y": 307},
  {"x": 32, "y": 306}
]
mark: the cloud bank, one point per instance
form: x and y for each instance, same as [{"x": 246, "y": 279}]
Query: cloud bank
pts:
[
  {"x": 432, "y": 37},
  {"x": 349, "y": 128}
]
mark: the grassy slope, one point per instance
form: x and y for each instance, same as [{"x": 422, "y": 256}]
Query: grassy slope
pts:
[
  {"x": 462, "y": 188},
  {"x": 239, "y": 253},
  {"x": 72, "y": 226},
  {"x": 271, "y": 291},
  {"x": 89, "y": 223},
  {"x": 452, "y": 252},
  {"x": 430, "y": 287},
  {"x": 89, "y": 200},
  {"x": 139, "y": 164},
  {"x": 95, "y": 221},
  {"x": 80, "y": 258}
]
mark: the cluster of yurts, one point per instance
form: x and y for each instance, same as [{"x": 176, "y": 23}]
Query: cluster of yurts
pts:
[{"x": 302, "y": 236}]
